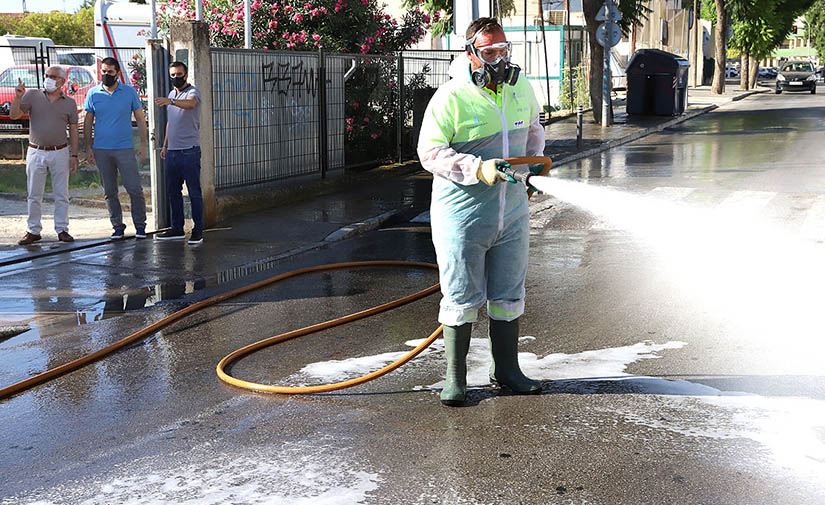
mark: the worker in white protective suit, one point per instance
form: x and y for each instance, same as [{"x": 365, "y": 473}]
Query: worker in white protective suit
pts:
[{"x": 480, "y": 227}]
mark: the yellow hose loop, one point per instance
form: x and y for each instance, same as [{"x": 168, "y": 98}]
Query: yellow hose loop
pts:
[{"x": 324, "y": 388}]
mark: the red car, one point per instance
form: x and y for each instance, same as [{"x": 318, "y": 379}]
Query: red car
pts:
[{"x": 78, "y": 82}]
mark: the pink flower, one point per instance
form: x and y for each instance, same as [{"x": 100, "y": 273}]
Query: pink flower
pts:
[
  {"x": 307, "y": 5},
  {"x": 350, "y": 120},
  {"x": 297, "y": 17},
  {"x": 316, "y": 36},
  {"x": 273, "y": 24},
  {"x": 215, "y": 10},
  {"x": 366, "y": 120},
  {"x": 364, "y": 2},
  {"x": 349, "y": 128},
  {"x": 365, "y": 48},
  {"x": 290, "y": 44},
  {"x": 337, "y": 7},
  {"x": 314, "y": 12},
  {"x": 324, "y": 10},
  {"x": 238, "y": 15},
  {"x": 374, "y": 135},
  {"x": 214, "y": 26},
  {"x": 288, "y": 9},
  {"x": 355, "y": 104},
  {"x": 369, "y": 40}
]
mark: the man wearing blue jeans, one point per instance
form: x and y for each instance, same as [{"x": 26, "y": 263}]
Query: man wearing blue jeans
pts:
[
  {"x": 109, "y": 107},
  {"x": 182, "y": 152}
]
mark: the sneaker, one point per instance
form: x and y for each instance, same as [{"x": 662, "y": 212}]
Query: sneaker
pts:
[
  {"x": 28, "y": 238},
  {"x": 118, "y": 234},
  {"x": 171, "y": 235},
  {"x": 196, "y": 237},
  {"x": 140, "y": 232},
  {"x": 64, "y": 236}
]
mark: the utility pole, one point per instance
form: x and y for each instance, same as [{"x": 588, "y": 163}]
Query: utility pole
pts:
[{"x": 247, "y": 25}]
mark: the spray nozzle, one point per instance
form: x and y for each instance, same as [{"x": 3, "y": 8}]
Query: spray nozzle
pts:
[{"x": 512, "y": 174}]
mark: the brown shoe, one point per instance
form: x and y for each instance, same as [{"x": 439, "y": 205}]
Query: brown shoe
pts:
[
  {"x": 64, "y": 236},
  {"x": 28, "y": 238}
]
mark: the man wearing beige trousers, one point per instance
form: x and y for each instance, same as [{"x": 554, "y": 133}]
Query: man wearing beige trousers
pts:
[{"x": 50, "y": 113}]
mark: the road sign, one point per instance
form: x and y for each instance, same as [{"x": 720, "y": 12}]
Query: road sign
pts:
[
  {"x": 608, "y": 34},
  {"x": 609, "y": 12}
]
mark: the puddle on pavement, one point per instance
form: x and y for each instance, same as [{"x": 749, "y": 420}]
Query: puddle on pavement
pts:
[{"x": 111, "y": 304}]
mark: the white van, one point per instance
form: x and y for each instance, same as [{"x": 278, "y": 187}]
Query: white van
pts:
[{"x": 21, "y": 50}]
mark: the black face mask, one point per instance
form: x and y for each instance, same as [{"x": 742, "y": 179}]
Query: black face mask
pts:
[
  {"x": 109, "y": 80},
  {"x": 178, "y": 82}
]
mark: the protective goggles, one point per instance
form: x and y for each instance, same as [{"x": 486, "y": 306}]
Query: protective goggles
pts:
[{"x": 491, "y": 54}]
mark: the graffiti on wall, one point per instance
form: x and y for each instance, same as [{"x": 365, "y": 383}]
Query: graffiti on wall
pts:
[{"x": 266, "y": 101}]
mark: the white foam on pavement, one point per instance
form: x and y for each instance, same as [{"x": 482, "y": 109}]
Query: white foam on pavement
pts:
[
  {"x": 599, "y": 363},
  {"x": 292, "y": 474},
  {"x": 789, "y": 430}
]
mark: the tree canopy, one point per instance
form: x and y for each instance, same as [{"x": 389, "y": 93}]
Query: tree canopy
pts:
[
  {"x": 63, "y": 28},
  {"x": 305, "y": 25}
]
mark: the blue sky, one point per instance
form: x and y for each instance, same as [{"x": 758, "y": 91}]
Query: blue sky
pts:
[{"x": 40, "y": 5}]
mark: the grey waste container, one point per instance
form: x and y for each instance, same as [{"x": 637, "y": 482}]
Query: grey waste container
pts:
[{"x": 651, "y": 74}]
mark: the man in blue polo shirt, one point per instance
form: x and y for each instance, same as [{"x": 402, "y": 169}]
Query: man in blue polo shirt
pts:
[{"x": 109, "y": 108}]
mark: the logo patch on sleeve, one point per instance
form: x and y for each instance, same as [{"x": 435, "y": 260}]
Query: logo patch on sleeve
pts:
[{"x": 518, "y": 124}]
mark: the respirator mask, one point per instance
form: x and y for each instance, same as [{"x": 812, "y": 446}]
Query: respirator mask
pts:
[{"x": 496, "y": 67}]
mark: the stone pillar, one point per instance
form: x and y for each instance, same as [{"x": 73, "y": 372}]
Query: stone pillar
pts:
[{"x": 190, "y": 44}]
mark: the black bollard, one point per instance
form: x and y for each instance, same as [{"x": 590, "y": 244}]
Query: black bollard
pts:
[{"x": 579, "y": 115}]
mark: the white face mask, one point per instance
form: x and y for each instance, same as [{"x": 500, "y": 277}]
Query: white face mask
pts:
[{"x": 50, "y": 85}]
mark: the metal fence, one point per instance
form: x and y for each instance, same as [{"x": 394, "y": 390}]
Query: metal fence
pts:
[
  {"x": 278, "y": 115},
  {"x": 267, "y": 117}
]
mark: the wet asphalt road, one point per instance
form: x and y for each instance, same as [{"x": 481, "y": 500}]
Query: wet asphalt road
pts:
[{"x": 656, "y": 390}]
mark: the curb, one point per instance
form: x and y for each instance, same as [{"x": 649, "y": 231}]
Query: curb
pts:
[
  {"x": 360, "y": 227},
  {"x": 647, "y": 131}
]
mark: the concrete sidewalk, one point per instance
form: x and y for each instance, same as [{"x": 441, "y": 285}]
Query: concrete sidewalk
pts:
[{"x": 91, "y": 227}]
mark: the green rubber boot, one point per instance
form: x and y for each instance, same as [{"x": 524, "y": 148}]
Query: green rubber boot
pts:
[
  {"x": 456, "y": 345},
  {"x": 505, "y": 370}
]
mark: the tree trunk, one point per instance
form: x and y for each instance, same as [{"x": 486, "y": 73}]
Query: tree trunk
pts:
[
  {"x": 720, "y": 34},
  {"x": 754, "y": 71},
  {"x": 591, "y": 8},
  {"x": 744, "y": 77}
]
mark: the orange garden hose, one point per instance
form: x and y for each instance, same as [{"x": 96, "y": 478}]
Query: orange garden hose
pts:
[{"x": 147, "y": 331}]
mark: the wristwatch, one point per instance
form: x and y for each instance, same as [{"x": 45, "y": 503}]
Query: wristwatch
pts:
[{"x": 173, "y": 101}]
